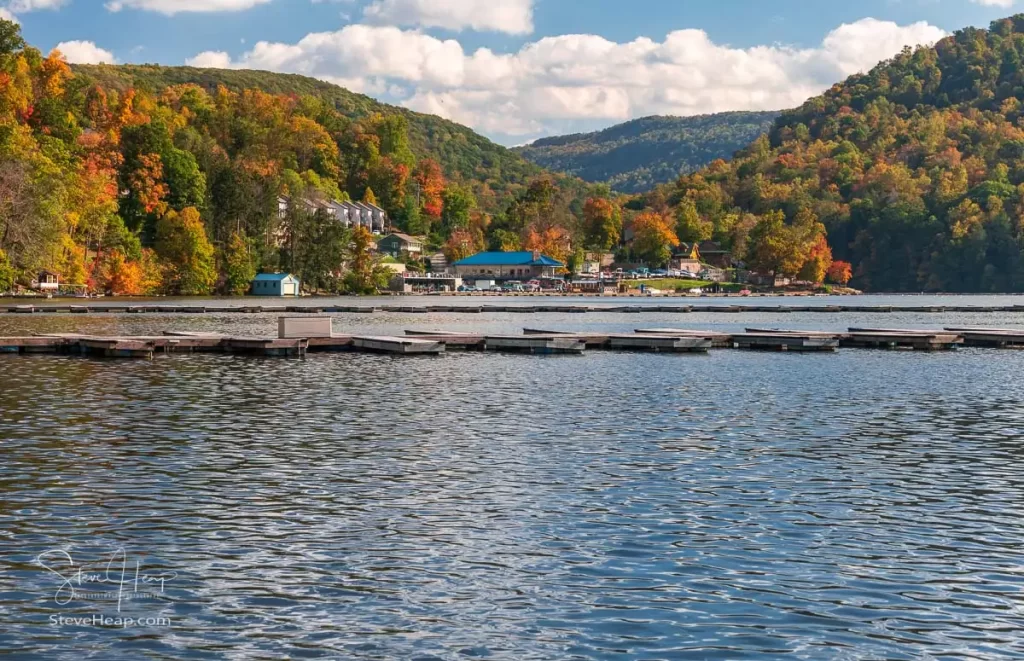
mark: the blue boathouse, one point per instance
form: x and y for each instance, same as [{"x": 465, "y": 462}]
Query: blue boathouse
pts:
[{"x": 275, "y": 284}]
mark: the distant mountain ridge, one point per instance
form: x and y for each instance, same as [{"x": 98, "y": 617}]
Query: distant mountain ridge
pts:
[{"x": 636, "y": 156}]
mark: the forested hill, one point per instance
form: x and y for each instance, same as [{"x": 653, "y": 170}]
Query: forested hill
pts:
[
  {"x": 635, "y": 156},
  {"x": 152, "y": 180},
  {"x": 461, "y": 152},
  {"x": 915, "y": 170}
]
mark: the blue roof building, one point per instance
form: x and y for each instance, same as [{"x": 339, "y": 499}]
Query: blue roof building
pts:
[
  {"x": 275, "y": 284},
  {"x": 508, "y": 266}
]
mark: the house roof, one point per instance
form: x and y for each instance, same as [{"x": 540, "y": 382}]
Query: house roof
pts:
[
  {"x": 711, "y": 247},
  {"x": 685, "y": 249},
  {"x": 273, "y": 277},
  {"x": 524, "y": 258},
  {"x": 405, "y": 237}
]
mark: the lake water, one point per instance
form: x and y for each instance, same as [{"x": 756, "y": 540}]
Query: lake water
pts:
[{"x": 862, "y": 504}]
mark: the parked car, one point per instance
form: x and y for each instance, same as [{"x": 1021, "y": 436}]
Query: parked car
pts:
[
  {"x": 513, "y": 287},
  {"x": 659, "y": 273},
  {"x": 497, "y": 289}
]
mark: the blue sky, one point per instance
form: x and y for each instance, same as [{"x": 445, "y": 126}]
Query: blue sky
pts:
[{"x": 519, "y": 69}]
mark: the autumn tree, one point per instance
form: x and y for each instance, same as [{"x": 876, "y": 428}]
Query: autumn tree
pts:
[
  {"x": 818, "y": 262},
  {"x": 119, "y": 276},
  {"x": 188, "y": 256},
  {"x": 840, "y": 273},
  {"x": 431, "y": 182},
  {"x": 365, "y": 275},
  {"x": 7, "y": 273},
  {"x": 239, "y": 269},
  {"x": 690, "y": 226},
  {"x": 602, "y": 223},
  {"x": 653, "y": 238},
  {"x": 460, "y": 245},
  {"x": 774, "y": 246},
  {"x": 554, "y": 242}
]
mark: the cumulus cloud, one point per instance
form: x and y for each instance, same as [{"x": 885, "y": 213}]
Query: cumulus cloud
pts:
[
  {"x": 511, "y": 16},
  {"x": 172, "y": 7},
  {"x": 25, "y": 6},
  {"x": 85, "y": 52},
  {"x": 552, "y": 83},
  {"x": 994, "y": 3}
]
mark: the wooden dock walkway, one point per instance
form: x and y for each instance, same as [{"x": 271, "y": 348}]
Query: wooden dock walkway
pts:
[
  {"x": 791, "y": 341},
  {"x": 533, "y": 341},
  {"x": 898, "y": 338},
  {"x": 515, "y": 308},
  {"x": 1002, "y": 338}
]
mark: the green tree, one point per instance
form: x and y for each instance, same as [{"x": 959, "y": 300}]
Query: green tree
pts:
[
  {"x": 188, "y": 256},
  {"x": 366, "y": 275},
  {"x": 7, "y": 274},
  {"x": 239, "y": 270},
  {"x": 602, "y": 223},
  {"x": 458, "y": 203},
  {"x": 690, "y": 227},
  {"x": 187, "y": 185}
]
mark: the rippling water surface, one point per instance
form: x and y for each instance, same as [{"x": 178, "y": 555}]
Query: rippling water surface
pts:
[{"x": 862, "y": 504}]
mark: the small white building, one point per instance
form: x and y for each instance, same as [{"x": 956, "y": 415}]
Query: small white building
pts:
[{"x": 48, "y": 281}]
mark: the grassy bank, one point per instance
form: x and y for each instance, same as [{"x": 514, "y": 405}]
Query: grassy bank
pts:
[{"x": 669, "y": 284}]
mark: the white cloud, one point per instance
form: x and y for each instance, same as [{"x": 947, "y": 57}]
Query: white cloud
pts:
[
  {"x": 511, "y": 16},
  {"x": 24, "y": 6},
  {"x": 8, "y": 16},
  {"x": 551, "y": 84},
  {"x": 172, "y": 7},
  {"x": 210, "y": 60},
  {"x": 85, "y": 52},
  {"x": 994, "y": 3}
]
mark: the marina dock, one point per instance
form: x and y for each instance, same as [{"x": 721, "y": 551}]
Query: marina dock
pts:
[
  {"x": 580, "y": 308},
  {"x": 532, "y": 341}
]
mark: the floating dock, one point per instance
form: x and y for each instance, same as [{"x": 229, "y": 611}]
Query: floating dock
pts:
[
  {"x": 578, "y": 308},
  {"x": 787, "y": 341},
  {"x": 913, "y": 339},
  {"x": 660, "y": 343},
  {"x": 718, "y": 340},
  {"x": 532, "y": 341},
  {"x": 398, "y": 345},
  {"x": 535, "y": 344},
  {"x": 1001, "y": 338}
]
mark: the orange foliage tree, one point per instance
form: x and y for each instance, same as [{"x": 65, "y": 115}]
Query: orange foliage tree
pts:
[
  {"x": 819, "y": 260},
  {"x": 431, "y": 180},
  {"x": 460, "y": 245},
  {"x": 653, "y": 238},
  {"x": 840, "y": 272},
  {"x": 552, "y": 241},
  {"x": 119, "y": 276}
]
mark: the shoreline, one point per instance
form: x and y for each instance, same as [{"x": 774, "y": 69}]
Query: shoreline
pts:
[{"x": 481, "y": 309}]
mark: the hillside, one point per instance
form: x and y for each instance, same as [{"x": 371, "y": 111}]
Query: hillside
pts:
[
  {"x": 914, "y": 170},
  {"x": 635, "y": 156},
  {"x": 178, "y": 181},
  {"x": 461, "y": 152}
]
